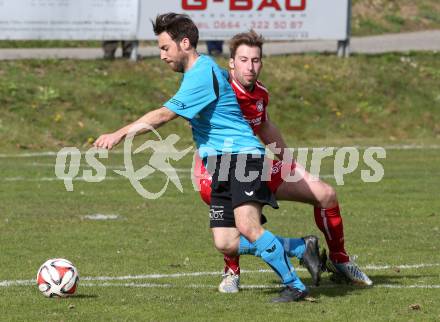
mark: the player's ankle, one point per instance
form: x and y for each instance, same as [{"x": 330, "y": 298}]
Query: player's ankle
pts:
[
  {"x": 235, "y": 270},
  {"x": 339, "y": 257}
]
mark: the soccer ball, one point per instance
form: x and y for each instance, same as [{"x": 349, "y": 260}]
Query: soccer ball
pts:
[{"x": 57, "y": 277}]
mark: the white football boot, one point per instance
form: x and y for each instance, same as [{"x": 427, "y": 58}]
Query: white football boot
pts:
[
  {"x": 230, "y": 282},
  {"x": 350, "y": 271}
]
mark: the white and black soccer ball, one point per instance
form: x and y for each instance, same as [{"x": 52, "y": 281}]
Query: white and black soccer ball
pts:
[{"x": 57, "y": 277}]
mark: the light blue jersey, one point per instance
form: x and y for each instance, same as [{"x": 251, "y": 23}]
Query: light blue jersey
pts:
[{"x": 207, "y": 100}]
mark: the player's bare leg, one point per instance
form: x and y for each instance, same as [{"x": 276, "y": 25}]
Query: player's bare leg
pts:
[
  {"x": 269, "y": 249},
  {"x": 227, "y": 240}
]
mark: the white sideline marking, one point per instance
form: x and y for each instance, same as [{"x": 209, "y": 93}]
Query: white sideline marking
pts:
[
  {"x": 263, "y": 286},
  {"x": 87, "y": 166},
  {"x": 54, "y": 165},
  {"x": 102, "y": 217},
  {"x": 15, "y": 179},
  {"x": 157, "y": 276},
  {"x": 16, "y": 283},
  {"x": 371, "y": 267},
  {"x": 386, "y": 147},
  {"x": 151, "y": 176},
  {"x": 209, "y": 286},
  {"x": 380, "y": 267}
]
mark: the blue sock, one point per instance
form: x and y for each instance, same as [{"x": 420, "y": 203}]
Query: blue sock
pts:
[
  {"x": 294, "y": 247},
  {"x": 272, "y": 252},
  {"x": 246, "y": 247}
]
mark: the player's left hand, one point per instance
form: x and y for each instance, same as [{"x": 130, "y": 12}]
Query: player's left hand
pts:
[{"x": 107, "y": 141}]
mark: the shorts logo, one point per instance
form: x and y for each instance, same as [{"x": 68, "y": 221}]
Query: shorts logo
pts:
[
  {"x": 260, "y": 105},
  {"x": 216, "y": 214},
  {"x": 251, "y": 193}
]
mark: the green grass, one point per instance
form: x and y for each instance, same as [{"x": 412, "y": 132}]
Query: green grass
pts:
[
  {"x": 59, "y": 43},
  {"x": 392, "y": 222},
  {"x": 387, "y": 98},
  {"x": 49, "y": 43},
  {"x": 373, "y": 17},
  {"x": 317, "y": 100}
]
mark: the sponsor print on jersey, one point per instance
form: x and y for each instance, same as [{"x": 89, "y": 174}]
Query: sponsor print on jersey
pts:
[
  {"x": 255, "y": 121},
  {"x": 178, "y": 103},
  {"x": 276, "y": 167}
]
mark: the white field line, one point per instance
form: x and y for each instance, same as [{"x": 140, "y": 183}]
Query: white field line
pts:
[
  {"x": 179, "y": 170},
  {"x": 370, "y": 267},
  {"x": 53, "y": 165},
  {"x": 86, "y": 166},
  {"x": 263, "y": 286},
  {"x": 14, "y": 179},
  {"x": 386, "y": 147},
  {"x": 80, "y": 178},
  {"x": 407, "y": 266},
  {"x": 110, "y": 177},
  {"x": 209, "y": 286},
  {"x": 23, "y": 179}
]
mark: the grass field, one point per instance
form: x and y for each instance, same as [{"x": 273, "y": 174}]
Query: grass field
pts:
[
  {"x": 372, "y": 17},
  {"x": 393, "y": 226},
  {"x": 385, "y": 98},
  {"x": 156, "y": 261}
]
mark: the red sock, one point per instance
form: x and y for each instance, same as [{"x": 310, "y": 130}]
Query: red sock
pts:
[
  {"x": 233, "y": 263},
  {"x": 329, "y": 221}
]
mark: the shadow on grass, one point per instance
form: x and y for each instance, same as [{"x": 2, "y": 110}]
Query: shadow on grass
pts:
[
  {"x": 393, "y": 279},
  {"x": 339, "y": 288}
]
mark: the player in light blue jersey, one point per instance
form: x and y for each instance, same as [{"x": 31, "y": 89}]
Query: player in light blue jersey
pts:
[{"x": 206, "y": 99}]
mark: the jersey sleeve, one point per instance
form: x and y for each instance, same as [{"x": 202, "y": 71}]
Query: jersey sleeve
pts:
[
  {"x": 225, "y": 74},
  {"x": 265, "y": 116},
  {"x": 196, "y": 92}
]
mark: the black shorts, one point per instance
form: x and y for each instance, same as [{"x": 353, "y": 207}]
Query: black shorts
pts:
[{"x": 236, "y": 184}]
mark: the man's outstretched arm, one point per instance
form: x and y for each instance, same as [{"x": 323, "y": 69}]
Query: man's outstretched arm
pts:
[{"x": 155, "y": 119}]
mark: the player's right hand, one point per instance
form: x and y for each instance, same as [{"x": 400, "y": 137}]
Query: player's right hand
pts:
[{"x": 107, "y": 141}]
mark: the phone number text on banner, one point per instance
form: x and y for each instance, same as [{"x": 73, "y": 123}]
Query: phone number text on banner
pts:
[{"x": 275, "y": 19}]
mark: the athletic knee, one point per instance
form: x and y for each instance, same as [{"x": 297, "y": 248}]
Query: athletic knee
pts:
[
  {"x": 251, "y": 232},
  {"x": 328, "y": 198},
  {"x": 226, "y": 246},
  {"x": 248, "y": 221}
]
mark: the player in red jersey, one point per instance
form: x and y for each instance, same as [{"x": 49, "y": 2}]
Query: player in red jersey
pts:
[{"x": 245, "y": 66}]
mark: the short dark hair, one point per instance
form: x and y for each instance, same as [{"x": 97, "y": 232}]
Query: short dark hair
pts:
[
  {"x": 178, "y": 26},
  {"x": 250, "y": 38}
]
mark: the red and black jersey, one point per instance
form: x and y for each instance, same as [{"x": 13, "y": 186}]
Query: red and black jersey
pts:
[{"x": 253, "y": 104}]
